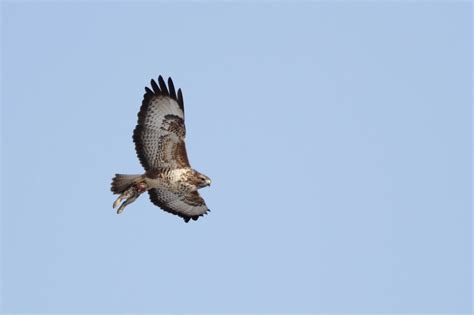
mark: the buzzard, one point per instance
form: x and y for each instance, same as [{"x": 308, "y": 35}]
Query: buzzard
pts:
[{"x": 159, "y": 139}]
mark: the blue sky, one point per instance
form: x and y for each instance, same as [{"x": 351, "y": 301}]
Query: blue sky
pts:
[{"x": 337, "y": 136}]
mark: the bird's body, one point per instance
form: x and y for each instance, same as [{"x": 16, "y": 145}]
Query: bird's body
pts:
[
  {"x": 160, "y": 144},
  {"x": 178, "y": 180}
]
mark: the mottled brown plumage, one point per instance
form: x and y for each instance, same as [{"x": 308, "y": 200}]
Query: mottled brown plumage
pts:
[{"x": 159, "y": 139}]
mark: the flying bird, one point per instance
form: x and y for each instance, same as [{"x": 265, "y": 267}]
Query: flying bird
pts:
[{"x": 159, "y": 139}]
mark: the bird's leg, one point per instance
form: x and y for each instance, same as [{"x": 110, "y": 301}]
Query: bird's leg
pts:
[
  {"x": 130, "y": 195},
  {"x": 129, "y": 198}
]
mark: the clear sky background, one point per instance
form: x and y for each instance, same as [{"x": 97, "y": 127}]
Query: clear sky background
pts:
[{"x": 337, "y": 136}]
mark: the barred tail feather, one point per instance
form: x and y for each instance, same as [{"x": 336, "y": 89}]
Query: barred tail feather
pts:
[{"x": 122, "y": 181}]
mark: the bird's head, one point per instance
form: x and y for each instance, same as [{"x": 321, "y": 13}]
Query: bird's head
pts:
[{"x": 202, "y": 180}]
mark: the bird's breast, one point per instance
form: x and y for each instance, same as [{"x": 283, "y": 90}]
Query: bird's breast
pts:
[{"x": 170, "y": 179}]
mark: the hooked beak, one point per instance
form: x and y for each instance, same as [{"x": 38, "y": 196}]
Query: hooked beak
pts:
[{"x": 208, "y": 182}]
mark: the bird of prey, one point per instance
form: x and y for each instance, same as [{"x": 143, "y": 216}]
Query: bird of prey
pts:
[{"x": 159, "y": 139}]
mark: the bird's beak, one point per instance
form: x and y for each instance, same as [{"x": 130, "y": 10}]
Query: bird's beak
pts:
[{"x": 208, "y": 182}]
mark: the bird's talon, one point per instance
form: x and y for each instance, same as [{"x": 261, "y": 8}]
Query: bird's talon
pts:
[
  {"x": 122, "y": 207},
  {"x": 129, "y": 195},
  {"x": 117, "y": 202}
]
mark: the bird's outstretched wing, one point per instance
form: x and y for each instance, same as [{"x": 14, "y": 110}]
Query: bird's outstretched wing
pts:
[
  {"x": 189, "y": 206},
  {"x": 160, "y": 131}
]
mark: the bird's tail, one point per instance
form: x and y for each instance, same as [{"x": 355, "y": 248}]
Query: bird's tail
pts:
[{"x": 122, "y": 182}]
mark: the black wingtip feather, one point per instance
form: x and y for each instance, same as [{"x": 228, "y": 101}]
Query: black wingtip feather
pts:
[
  {"x": 171, "y": 88},
  {"x": 155, "y": 87},
  {"x": 180, "y": 100},
  {"x": 163, "y": 87},
  {"x": 148, "y": 91}
]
